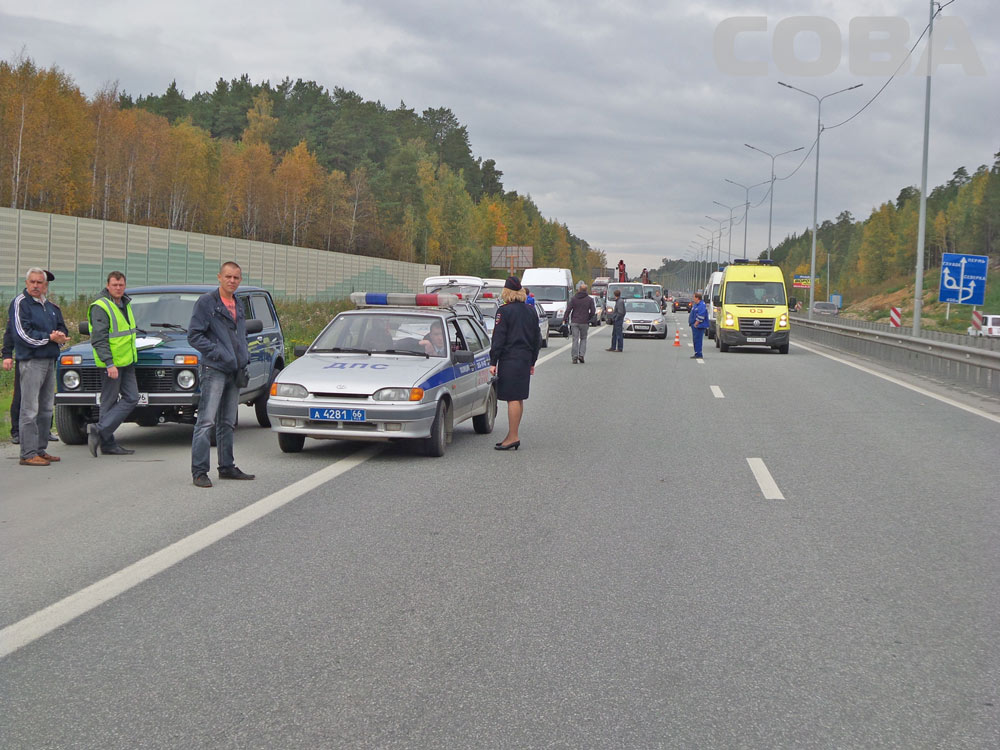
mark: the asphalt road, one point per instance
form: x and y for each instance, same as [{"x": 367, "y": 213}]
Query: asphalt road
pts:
[{"x": 756, "y": 551}]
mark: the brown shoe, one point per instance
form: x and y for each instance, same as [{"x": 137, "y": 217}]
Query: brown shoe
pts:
[
  {"x": 49, "y": 457},
  {"x": 34, "y": 461}
]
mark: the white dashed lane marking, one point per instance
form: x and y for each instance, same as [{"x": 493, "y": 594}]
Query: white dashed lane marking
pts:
[
  {"x": 716, "y": 391},
  {"x": 767, "y": 484}
]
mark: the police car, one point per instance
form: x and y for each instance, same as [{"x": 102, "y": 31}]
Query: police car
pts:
[{"x": 398, "y": 367}]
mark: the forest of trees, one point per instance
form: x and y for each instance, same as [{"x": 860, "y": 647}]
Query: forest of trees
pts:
[
  {"x": 292, "y": 164},
  {"x": 963, "y": 216}
]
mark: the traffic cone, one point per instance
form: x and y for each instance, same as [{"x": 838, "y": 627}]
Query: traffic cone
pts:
[{"x": 677, "y": 338}]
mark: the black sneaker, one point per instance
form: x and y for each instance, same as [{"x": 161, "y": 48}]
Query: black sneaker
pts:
[
  {"x": 202, "y": 480},
  {"x": 15, "y": 439},
  {"x": 234, "y": 473}
]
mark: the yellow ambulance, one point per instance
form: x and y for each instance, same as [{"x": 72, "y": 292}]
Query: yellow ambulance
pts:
[{"x": 752, "y": 307}]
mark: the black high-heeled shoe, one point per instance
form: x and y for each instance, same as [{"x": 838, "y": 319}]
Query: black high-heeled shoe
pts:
[{"x": 501, "y": 447}]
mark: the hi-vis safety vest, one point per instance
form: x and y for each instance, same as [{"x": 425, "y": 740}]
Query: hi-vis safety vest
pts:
[{"x": 121, "y": 337}]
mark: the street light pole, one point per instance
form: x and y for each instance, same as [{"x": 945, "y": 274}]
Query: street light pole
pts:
[
  {"x": 719, "y": 261},
  {"x": 918, "y": 289},
  {"x": 819, "y": 130},
  {"x": 746, "y": 210},
  {"x": 729, "y": 254},
  {"x": 770, "y": 210}
]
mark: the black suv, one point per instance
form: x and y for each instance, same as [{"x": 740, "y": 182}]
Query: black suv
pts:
[{"x": 167, "y": 373}]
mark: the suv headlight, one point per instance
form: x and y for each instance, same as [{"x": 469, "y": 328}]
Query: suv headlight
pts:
[
  {"x": 186, "y": 379},
  {"x": 783, "y": 321},
  {"x": 71, "y": 379},
  {"x": 288, "y": 390},
  {"x": 729, "y": 320},
  {"x": 398, "y": 394}
]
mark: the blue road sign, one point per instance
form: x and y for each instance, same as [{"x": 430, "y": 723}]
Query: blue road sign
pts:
[{"x": 963, "y": 278}]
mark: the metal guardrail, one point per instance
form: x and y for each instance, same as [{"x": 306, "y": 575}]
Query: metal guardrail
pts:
[
  {"x": 973, "y": 366},
  {"x": 979, "y": 342}
]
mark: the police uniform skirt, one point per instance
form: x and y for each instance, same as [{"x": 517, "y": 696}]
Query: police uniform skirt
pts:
[{"x": 513, "y": 377}]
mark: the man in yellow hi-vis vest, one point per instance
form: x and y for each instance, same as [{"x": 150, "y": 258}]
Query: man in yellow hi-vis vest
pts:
[{"x": 112, "y": 335}]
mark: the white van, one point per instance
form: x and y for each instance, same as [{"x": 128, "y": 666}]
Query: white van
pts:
[
  {"x": 710, "y": 293},
  {"x": 552, "y": 288}
]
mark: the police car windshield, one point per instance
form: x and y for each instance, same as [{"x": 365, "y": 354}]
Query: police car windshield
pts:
[
  {"x": 383, "y": 333},
  {"x": 549, "y": 293},
  {"x": 489, "y": 309},
  {"x": 755, "y": 293},
  {"x": 641, "y": 305},
  {"x": 170, "y": 310}
]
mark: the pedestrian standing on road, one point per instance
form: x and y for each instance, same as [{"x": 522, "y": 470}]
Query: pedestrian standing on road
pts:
[
  {"x": 218, "y": 331},
  {"x": 529, "y": 298},
  {"x": 38, "y": 331},
  {"x": 698, "y": 320},
  {"x": 579, "y": 312},
  {"x": 618, "y": 324},
  {"x": 112, "y": 337},
  {"x": 516, "y": 341}
]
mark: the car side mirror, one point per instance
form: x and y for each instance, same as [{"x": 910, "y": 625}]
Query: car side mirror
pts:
[
  {"x": 254, "y": 326},
  {"x": 300, "y": 349},
  {"x": 715, "y": 300},
  {"x": 463, "y": 357},
  {"x": 792, "y": 302},
  {"x": 84, "y": 328}
]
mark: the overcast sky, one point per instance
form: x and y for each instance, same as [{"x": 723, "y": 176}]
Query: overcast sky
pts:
[{"x": 614, "y": 115}]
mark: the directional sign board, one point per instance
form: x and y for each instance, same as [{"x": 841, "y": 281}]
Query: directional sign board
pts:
[
  {"x": 801, "y": 281},
  {"x": 963, "y": 279},
  {"x": 511, "y": 256}
]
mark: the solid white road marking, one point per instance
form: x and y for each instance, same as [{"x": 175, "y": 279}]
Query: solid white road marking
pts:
[
  {"x": 56, "y": 615},
  {"x": 560, "y": 350},
  {"x": 914, "y": 388},
  {"x": 767, "y": 484},
  {"x": 716, "y": 391}
]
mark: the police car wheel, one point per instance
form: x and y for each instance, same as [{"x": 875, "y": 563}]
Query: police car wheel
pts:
[
  {"x": 290, "y": 443},
  {"x": 434, "y": 445},
  {"x": 260, "y": 403},
  {"x": 483, "y": 423}
]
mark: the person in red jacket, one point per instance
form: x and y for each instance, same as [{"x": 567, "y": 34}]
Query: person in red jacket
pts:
[{"x": 621, "y": 271}]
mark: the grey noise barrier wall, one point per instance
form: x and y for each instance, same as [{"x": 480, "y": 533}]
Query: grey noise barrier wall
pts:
[{"x": 81, "y": 253}]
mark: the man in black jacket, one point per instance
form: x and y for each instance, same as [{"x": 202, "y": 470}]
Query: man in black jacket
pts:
[
  {"x": 218, "y": 331},
  {"x": 579, "y": 312}
]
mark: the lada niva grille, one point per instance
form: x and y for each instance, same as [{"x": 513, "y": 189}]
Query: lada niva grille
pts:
[
  {"x": 756, "y": 326},
  {"x": 148, "y": 379}
]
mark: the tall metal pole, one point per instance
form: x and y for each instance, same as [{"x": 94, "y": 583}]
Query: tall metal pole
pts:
[
  {"x": 918, "y": 290},
  {"x": 746, "y": 210},
  {"x": 819, "y": 130},
  {"x": 729, "y": 254},
  {"x": 770, "y": 210}
]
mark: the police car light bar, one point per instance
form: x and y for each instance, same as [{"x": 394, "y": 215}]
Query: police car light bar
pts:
[{"x": 402, "y": 299}]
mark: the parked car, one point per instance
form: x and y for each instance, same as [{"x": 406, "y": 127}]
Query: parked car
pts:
[
  {"x": 368, "y": 376},
  {"x": 488, "y": 308},
  {"x": 598, "y": 310},
  {"x": 167, "y": 371},
  {"x": 643, "y": 317},
  {"x": 825, "y": 308}
]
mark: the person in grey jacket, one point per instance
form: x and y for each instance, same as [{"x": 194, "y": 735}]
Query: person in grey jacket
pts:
[
  {"x": 218, "y": 331},
  {"x": 618, "y": 323},
  {"x": 579, "y": 312}
]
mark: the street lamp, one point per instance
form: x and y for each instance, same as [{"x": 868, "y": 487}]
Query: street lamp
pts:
[
  {"x": 729, "y": 254},
  {"x": 819, "y": 130},
  {"x": 712, "y": 218},
  {"x": 770, "y": 210},
  {"x": 746, "y": 210}
]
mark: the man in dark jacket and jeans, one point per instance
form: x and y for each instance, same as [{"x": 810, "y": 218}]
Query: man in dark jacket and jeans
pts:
[
  {"x": 579, "y": 312},
  {"x": 218, "y": 331}
]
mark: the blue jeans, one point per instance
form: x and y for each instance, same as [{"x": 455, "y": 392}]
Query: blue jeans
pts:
[
  {"x": 618, "y": 335},
  {"x": 38, "y": 395},
  {"x": 118, "y": 398},
  {"x": 697, "y": 334},
  {"x": 216, "y": 411}
]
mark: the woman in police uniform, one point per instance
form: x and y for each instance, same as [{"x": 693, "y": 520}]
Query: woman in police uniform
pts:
[{"x": 516, "y": 341}]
